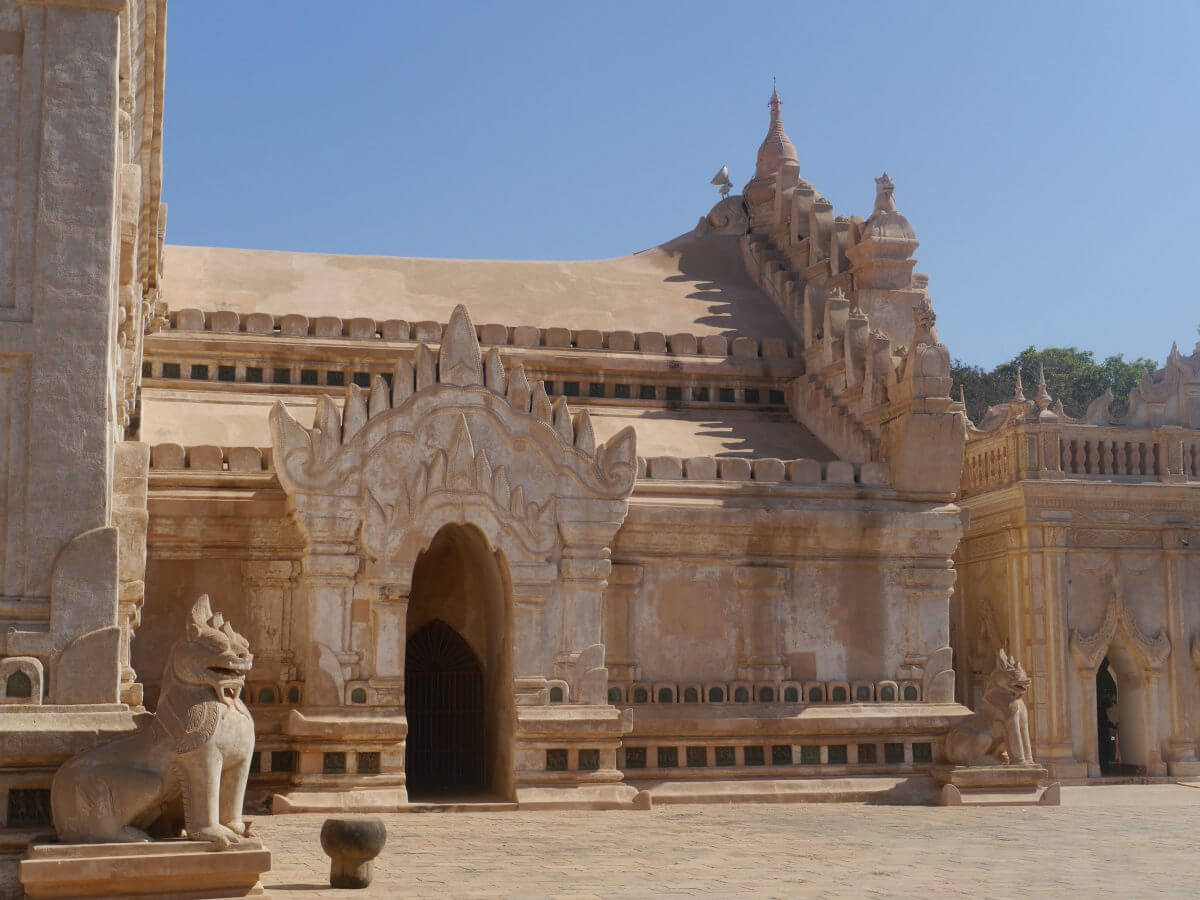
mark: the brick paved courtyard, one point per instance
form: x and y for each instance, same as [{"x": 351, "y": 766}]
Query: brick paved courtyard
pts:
[{"x": 1112, "y": 841}]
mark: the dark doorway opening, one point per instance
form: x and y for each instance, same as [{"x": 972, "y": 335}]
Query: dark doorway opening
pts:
[
  {"x": 1106, "y": 728},
  {"x": 444, "y": 701}
]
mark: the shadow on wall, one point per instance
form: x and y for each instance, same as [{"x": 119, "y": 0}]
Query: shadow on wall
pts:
[{"x": 733, "y": 302}]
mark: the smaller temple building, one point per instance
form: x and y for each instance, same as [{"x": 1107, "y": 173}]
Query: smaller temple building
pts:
[{"x": 1081, "y": 559}]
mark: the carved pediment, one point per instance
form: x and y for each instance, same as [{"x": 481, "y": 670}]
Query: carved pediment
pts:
[
  {"x": 454, "y": 429},
  {"x": 1088, "y": 651}
]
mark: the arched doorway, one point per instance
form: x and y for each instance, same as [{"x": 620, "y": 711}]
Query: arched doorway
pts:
[
  {"x": 1121, "y": 727},
  {"x": 458, "y": 681},
  {"x": 443, "y": 687}
]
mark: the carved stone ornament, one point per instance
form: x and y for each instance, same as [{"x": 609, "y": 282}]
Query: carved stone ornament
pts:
[
  {"x": 455, "y": 437},
  {"x": 187, "y": 766},
  {"x": 1088, "y": 651},
  {"x": 998, "y": 732}
]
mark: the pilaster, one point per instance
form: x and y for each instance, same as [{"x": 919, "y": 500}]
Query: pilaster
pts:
[{"x": 761, "y": 590}]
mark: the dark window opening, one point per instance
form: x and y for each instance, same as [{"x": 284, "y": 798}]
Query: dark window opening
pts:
[
  {"x": 556, "y": 760},
  {"x": 283, "y": 760},
  {"x": 716, "y": 695},
  {"x": 635, "y": 757},
  {"x": 571, "y": 388},
  {"x": 754, "y": 756},
  {"x": 358, "y": 695},
  {"x": 867, "y": 753},
  {"x": 170, "y": 370},
  {"x": 751, "y": 395},
  {"x": 700, "y": 394},
  {"x": 810, "y": 756},
  {"x": 621, "y": 391},
  {"x": 362, "y": 379},
  {"x": 646, "y": 392},
  {"x": 368, "y": 763},
  {"x": 147, "y": 370},
  {"x": 697, "y": 757},
  {"x": 200, "y": 371},
  {"x": 226, "y": 373},
  {"x": 589, "y": 760},
  {"x": 666, "y": 695},
  {"x": 334, "y": 763},
  {"x": 674, "y": 395},
  {"x": 893, "y": 753},
  {"x": 922, "y": 752},
  {"x": 254, "y": 374},
  {"x": 308, "y": 376},
  {"x": 726, "y": 756},
  {"x": 596, "y": 389},
  {"x": 282, "y": 376},
  {"x": 691, "y": 695},
  {"x": 766, "y": 695},
  {"x": 614, "y": 695},
  {"x": 28, "y": 807},
  {"x": 781, "y": 755},
  {"x": 837, "y": 754},
  {"x": 726, "y": 395},
  {"x": 776, "y": 398},
  {"x": 641, "y": 695},
  {"x": 791, "y": 695},
  {"x": 668, "y": 757},
  {"x": 335, "y": 379}
]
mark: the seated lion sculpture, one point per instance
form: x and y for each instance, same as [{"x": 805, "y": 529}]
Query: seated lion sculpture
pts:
[
  {"x": 188, "y": 764},
  {"x": 998, "y": 732}
]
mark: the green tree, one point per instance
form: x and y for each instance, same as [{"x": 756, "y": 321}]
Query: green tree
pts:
[{"x": 1072, "y": 376}]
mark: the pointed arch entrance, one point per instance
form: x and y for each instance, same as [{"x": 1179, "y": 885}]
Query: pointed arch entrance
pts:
[
  {"x": 461, "y": 459},
  {"x": 458, "y": 668}
]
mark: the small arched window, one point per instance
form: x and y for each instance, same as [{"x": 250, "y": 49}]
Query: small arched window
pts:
[
  {"x": 887, "y": 693},
  {"x": 690, "y": 695},
  {"x": 666, "y": 695},
  {"x": 18, "y": 684},
  {"x": 910, "y": 692},
  {"x": 815, "y": 695},
  {"x": 641, "y": 695},
  {"x": 839, "y": 695},
  {"x": 791, "y": 695},
  {"x": 766, "y": 695},
  {"x": 614, "y": 695},
  {"x": 741, "y": 695},
  {"x": 266, "y": 695},
  {"x": 358, "y": 695},
  {"x": 556, "y": 694},
  {"x": 716, "y": 695}
]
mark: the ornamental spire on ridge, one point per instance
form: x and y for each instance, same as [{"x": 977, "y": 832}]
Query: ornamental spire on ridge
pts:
[{"x": 776, "y": 148}]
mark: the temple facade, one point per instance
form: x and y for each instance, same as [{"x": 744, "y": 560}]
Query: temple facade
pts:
[
  {"x": 1081, "y": 559},
  {"x": 684, "y": 521}
]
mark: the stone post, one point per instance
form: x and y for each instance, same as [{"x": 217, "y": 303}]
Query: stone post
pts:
[
  {"x": 327, "y": 583},
  {"x": 1091, "y": 740},
  {"x": 1181, "y": 679},
  {"x": 583, "y": 571}
]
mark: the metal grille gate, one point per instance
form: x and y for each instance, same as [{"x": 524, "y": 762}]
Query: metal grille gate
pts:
[{"x": 443, "y": 698}]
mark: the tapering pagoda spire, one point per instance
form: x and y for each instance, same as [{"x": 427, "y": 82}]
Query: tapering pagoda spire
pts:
[
  {"x": 1018, "y": 388},
  {"x": 776, "y": 148},
  {"x": 1042, "y": 399}
]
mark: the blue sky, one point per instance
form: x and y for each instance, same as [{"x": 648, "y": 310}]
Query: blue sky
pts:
[{"x": 1046, "y": 153}]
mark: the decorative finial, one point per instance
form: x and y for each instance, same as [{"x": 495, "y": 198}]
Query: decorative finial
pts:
[
  {"x": 721, "y": 180},
  {"x": 1043, "y": 395},
  {"x": 1019, "y": 388}
]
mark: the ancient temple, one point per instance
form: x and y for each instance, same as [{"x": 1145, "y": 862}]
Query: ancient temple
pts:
[
  {"x": 1081, "y": 558},
  {"x": 554, "y": 533}
]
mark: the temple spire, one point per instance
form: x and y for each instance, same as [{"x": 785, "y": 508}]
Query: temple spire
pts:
[
  {"x": 776, "y": 148},
  {"x": 1019, "y": 389},
  {"x": 1043, "y": 395}
]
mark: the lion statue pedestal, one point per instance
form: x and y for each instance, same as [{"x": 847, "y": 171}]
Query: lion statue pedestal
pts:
[
  {"x": 181, "y": 774},
  {"x": 989, "y": 756}
]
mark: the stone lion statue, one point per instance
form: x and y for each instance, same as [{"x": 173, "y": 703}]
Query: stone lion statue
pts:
[
  {"x": 188, "y": 765},
  {"x": 999, "y": 730}
]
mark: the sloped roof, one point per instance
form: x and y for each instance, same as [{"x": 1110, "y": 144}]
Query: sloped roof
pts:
[
  {"x": 694, "y": 283},
  {"x": 232, "y": 419}
]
